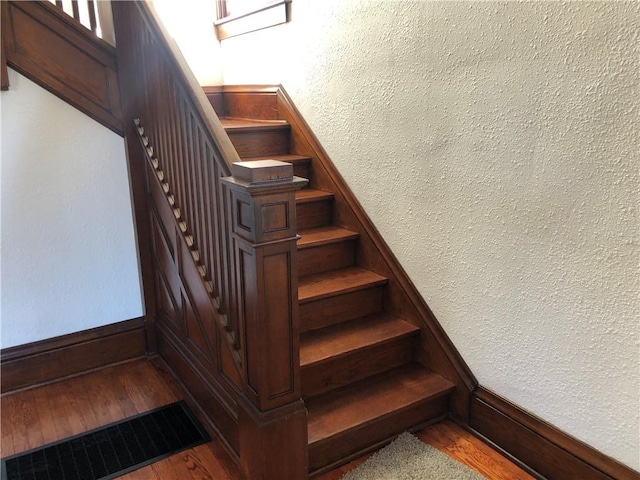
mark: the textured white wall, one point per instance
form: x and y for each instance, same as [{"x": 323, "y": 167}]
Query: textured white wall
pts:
[
  {"x": 495, "y": 146},
  {"x": 69, "y": 258}
]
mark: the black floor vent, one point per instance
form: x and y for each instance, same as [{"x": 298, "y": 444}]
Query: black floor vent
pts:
[{"x": 112, "y": 450}]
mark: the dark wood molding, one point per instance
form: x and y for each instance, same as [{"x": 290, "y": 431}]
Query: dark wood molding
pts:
[
  {"x": 138, "y": 182},
  {"x": 57, "y": 358},
  {"x": 545, "y": 449},
  {"x": 53, "y": 50},
  {"x": 216, "y": 98},
  {"x": 4, "y": 74}
]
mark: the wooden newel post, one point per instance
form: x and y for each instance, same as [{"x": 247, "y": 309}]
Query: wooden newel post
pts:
[{"x": 273, "y": 418}]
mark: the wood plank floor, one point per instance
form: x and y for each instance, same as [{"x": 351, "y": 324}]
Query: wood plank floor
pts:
[{"x": 42, "y": 415}]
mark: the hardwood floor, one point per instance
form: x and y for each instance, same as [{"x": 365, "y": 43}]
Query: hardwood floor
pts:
[{"x": 45, "y": 414}]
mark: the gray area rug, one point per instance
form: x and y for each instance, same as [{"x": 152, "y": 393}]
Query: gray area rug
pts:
[{"x": 408, "y": 458}]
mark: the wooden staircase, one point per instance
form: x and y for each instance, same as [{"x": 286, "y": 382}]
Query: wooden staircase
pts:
[{"x": 360, "y": 381}]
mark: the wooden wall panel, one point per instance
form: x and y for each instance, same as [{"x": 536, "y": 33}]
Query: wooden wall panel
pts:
[
  {"x": 219, "y": 411},
  {"x": 57, "y": 358},
  {"x": 185, "y": 329},
  {"x": 215, "y": 97},
  {"x": 52, "y": 50}
]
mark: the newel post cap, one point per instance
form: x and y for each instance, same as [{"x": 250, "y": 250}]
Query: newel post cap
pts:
[{"x": 263, "y": 176}]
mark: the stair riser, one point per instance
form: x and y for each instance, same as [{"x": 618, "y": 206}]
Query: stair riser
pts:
[
  {"x": 313, "y": 214},
  {"x": 341, "y": 308},
  {"x": 326, "y": 257},
  {"x": 301, "y": 169},
  {"x": 344, "y": 446},
  {"x": 260, "y": 143},
  {"x": 325, "y": 376}
]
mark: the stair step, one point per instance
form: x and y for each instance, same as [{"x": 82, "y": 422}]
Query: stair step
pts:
[
  {"x": 232, "y": 124},
  {"x": 313, "y": 208},
  {"x": 351, "y": 351},
  {"x": 310, "y": 195},
  {"x": 325, "y": 248},
  {"x": 344, "y": 423},
  {"x": 315, "y": 237},
  {"x": 253, "y": 138},
  {"x": 301, "y": 164},
  {"x": 336, "y": 282},
  {"x": 338, "y": 296}
]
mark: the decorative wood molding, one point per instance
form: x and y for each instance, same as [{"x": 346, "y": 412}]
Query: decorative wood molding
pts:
[
  {"x": 56, "y": 358},
  {"x": 55, "y": 51},
  {"x": 545, "y": 449}
]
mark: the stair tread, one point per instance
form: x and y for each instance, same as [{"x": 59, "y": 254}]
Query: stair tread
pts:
[
  {"x": 314, "y": 237},
  {"x": 331, "y": 342},
  {"x": 368, "y": 400},
  {"x": 239, "y": 124},
  {"x": 312, "y": 195},
  {"x": 344, "y": 280}
]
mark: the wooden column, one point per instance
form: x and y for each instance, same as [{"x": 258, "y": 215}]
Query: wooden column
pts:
[{"x": 263, "y": 234}]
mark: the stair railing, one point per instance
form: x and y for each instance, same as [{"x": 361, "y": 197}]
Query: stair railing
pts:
[
  {"x": 95, "y": 15},
  {"x": 238, "y": 221},
  {"x": 84, "y": 12}
]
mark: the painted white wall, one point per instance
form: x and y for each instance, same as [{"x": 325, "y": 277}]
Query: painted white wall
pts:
[
  {"x": 69, "y": 259},
  {"x": 190, "y": 23},
  {"x": 495, "y": 146}
]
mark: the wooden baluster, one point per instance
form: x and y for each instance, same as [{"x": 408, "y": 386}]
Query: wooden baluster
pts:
[
  {"x": 76, "y": 9},
  {"x": 59, "y": 4},
  {"x": 93, "y": 24},
  {"x": 273, "y": 424}
]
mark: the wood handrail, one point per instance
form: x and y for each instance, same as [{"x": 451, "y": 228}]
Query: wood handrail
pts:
[{"x": 205, "y": 110}]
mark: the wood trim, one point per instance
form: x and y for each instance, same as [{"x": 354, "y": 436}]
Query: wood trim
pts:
[
  {"x": 4, "y": 74},
  {"x": 57, "y": 358},
  {"x": 216, "y": 99},
  {"x": 545, "y": 449},
  {"x": 64, "y": 57},
  {"x": 269, "y": 15}
]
